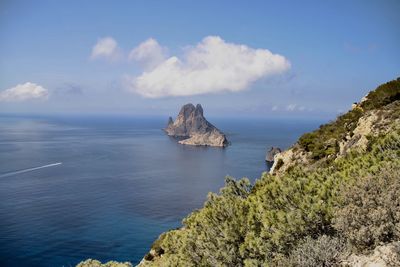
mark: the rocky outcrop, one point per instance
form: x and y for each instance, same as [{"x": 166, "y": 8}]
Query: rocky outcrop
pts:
[
  {"x": 371, "y": 124},
  {"x": 382, "y": 256},
  {"x": 96, "y": 263},
  {"x": 271, "y": 154},
  {"x": 170, "y": 122},
  {"x": 287, "y": 159},
  {"x": 191, "y": 126}
]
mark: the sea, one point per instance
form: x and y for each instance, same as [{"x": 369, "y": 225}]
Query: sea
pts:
[{"x": 105, "y": 187}]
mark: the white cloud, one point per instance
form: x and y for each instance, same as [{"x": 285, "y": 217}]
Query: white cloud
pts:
[
  {"x": 291, "y": 107},
  {"x": 23, "y": 92},
  {"x": 295, "y": 107},
  {"x": 211, "y": 66},
  {"x": 106, "y": 48},
  {"x": 149, "y": 53},
  {"x": 275, "y": 108}
]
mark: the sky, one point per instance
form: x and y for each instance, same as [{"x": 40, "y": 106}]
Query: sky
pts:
[{"x": 236, "y": 58}]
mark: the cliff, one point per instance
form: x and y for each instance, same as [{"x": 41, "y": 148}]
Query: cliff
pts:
[
  {"x": 381, "y": 256},
  {"x": 192, "y": 126},
  {"x": 376, "y": 114}
]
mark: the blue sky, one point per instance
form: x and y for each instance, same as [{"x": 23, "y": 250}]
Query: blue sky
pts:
[{"x": 334, "y": 52}]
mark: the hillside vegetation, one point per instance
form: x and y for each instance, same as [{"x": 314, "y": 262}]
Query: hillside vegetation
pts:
[
  {"x": 324, "y": 141},
  {"x": 303, "y": 216}
]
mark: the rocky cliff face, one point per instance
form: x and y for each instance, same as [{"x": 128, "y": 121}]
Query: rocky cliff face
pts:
[
  {"x": 369, "y": 124},
  {"x": 191, "y": 125}
]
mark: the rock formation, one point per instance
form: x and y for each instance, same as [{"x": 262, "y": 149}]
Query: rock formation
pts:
[
  {"x": 372, "y": 122},
  {"x": 288, "y": 158},
  {"x": 170, "y": 122},
  {"x": 382, "y": 256},
  {"x": 96, "y": 263},
  {"x": 194, "y": 129},
  {"x": 271, "y": 154}
]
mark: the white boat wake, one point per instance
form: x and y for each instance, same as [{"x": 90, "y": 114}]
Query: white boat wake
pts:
[{"x": 29, "y": 169}]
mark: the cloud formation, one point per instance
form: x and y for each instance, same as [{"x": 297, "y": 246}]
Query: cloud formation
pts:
[
  {"x": 295, "y": 107},
  {"x": 23, "y": 92},
  {"x": 106, "y": 48},
  {"x": 291, "y": 107},
  {"x": 211, "y": 66},
  {"x": 149, "y": 53}
]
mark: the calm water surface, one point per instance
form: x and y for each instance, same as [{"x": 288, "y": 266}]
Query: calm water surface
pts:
[{"x": 121, "y": 182}]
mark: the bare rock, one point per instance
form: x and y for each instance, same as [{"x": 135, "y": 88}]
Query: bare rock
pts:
[
  {"x": 170, "y": 122},
  {"x": 96, "y": 263},
  {"x": 289, "y": 158},
  {"x": 371, "y": 124},
  {"x": 271, "y": 154},
  {"x": 382, "y": 256},
  {"x": 213, "y": 138},
  {"x": 192, "y": 126}
]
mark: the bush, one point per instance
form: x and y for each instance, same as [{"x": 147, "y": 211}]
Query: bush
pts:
[
  {"x": 149, "y": 257},
  {"x": 324, "y": 141},
  {"x": 284, "y": 209},
  {"x": 325, "y": 251},
  {"x": 383, "y": 95},
  {"x": 370, "y": 210},
  {"x": 212, "y": 236},
  {"x": 156, "y": 246}
]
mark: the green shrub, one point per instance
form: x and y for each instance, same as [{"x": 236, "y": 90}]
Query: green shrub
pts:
[
  {"x": 212, "y": 236},
  {"x": 324, "y": 251},
  {"x": 156, "y": 246},
  {"x": 149, "y": 257},
  {"x": 284, "y": 209},
  {"x": 370, "y": 211},
  {"x": 324, "y": 141},
  {"x": 383, "y": 95}
]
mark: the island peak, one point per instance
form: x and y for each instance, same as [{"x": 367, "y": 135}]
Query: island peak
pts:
[{"x": 192, "y": 126}]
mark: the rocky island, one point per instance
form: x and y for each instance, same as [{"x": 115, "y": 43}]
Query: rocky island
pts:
[{"x": 193, "y": 129}]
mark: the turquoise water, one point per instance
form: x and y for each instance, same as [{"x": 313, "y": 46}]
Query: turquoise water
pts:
[{"x": 73, "y": 188}]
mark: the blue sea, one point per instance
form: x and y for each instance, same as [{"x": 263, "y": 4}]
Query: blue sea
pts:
[{"x": 106, "y": 187}]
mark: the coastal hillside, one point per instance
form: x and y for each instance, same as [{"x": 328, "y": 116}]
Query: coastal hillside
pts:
[
  {"x": 330, "y": 200},
  {"x": 331, "y": 203},
  {"x": 374, "y": 115}
]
